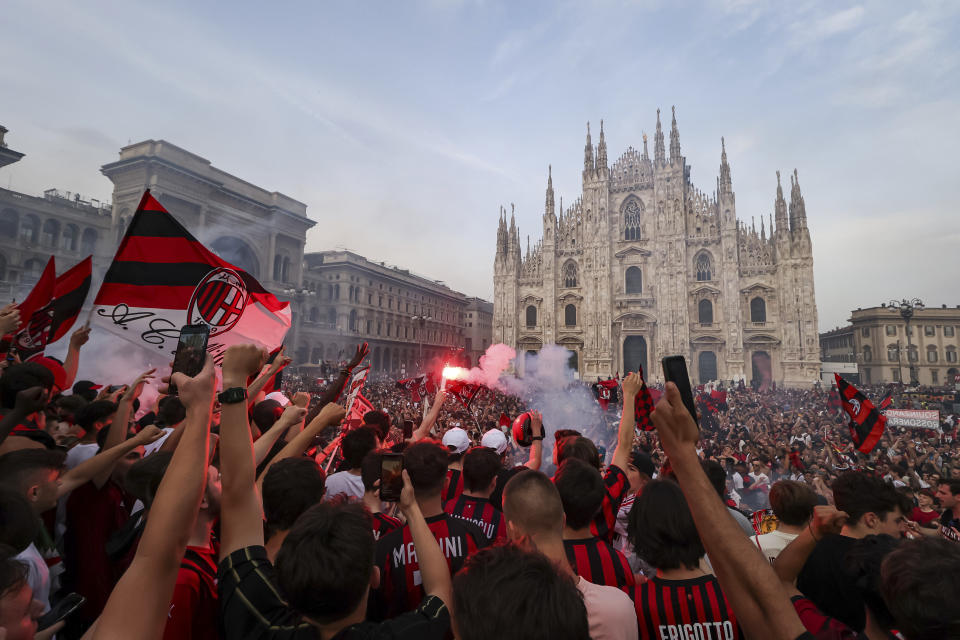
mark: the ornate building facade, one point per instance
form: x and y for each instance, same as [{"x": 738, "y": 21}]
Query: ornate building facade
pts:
[{"x": 644, "y": 265}]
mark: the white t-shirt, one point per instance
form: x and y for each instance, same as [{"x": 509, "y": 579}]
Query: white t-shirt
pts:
[
  {"x": 344, "y": 482},
  {"x": 38, "y": 575},
  {"x": 610, "y": 612},
  {"x": 80, "y": 453},
  {"x": 771, "y": 544}
]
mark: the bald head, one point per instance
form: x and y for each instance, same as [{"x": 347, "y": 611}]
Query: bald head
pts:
[{"x": 531, "y": 503}]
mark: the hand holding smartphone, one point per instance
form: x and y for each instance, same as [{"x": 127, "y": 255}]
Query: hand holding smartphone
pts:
[
  {"x": 191, "y": 352},
  {"x": 391, "y": 477},
  {"x": 62, "y": 609},
  {"x": 675, "y": 371}
]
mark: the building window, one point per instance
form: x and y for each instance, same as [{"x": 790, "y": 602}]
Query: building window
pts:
[
  {"x": 705, "y": 312},
  {"x": 893, "y": 353},
  {"x": 49, "y": 233},
  {"x": 865, "y": 332},
  {"x": 758, "y": 310},
  {"x": 633, "y": 280},
  {"x": 866, "y": 376},
  {"x": 867, "y": 354},
  {"x": 912, "y": 354},
  {"x": 9, "y": 220},
  {"x": 951, "y": 354},
  {"x": 948, "y": 331},
  {"x": 929, "y": 330},
  {"x": 896, "y": 374},
  {"x": 703, "y": 267},
  {"x": 631, "y": 219},
  {"x": 570, "y": 274},
  {"x": 931, "y": 354},
  {"x": 934, "y": 376},
  {"x": 570, "y": 315},
  {"x": 531, "y": 317},
  {"x": 891, "y": 330}
]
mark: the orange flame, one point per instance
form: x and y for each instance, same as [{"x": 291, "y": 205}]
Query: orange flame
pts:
[{"x": 454, "y": 373}]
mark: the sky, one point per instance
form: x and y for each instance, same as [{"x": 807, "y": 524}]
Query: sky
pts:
[{"x": 404, "y": 126}]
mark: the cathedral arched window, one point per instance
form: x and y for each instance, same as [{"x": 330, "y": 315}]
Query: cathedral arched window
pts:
[
  {"x": 531, "y": 316},
  {"x": 705, "y": 312},
  {"x": 703, "y": 267},
  {"x": 631, "y": 219},
  {"x": 633, "y": 280},
  {"x": 570, "y": 315},
  {"x": 570, "y": 274},
  {"x": 758, "y": 310}
]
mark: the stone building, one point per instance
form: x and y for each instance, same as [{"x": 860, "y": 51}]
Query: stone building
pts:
[
  {"x": 409, "y": 321},
  {"x": 644, "y": 265},
  {"x": 885, "y": 351},
  {"x": 478, "y": 328}
]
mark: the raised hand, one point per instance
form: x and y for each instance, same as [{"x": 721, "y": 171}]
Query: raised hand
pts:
[
  {"x": 292, "y": 415},
  {"x": 301, "y": 399},
  {"x": 631, "y": 384},
  {"x": 196, "y": 393},
  {"x": 675, "y": 426},
  {"x": 148, "y": 435},
  {"x": 134, "y": 390},
  {"x": 408, "y": 498},
  {"x": 9, "y": 318},
  {"x": 31, "y": 400},
  {"x": 332, "y": 413},
  {"x": 281, "y": 360},
  {"x": 827, "y": 519},
  {"x": 536, "y": 423},
  {"x": 79, "y": 338},
  {"x": 243, "y": 360},
  {"x": 363, "y": 350}
]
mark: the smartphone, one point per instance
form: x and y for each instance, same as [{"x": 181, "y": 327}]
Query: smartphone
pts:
[
  {"x": 391, "y": 477},
  {"x": 191, "y": 351},
  {"x": 675, "y": 371},
  {"x": 407, "y": 429},
  {"x": 62, "y": 609}
]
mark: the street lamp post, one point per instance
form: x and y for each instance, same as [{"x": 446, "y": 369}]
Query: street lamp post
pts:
[
  {"x": 422, "y": 321},
  {"x": 298, "y": 296},
  {"x": 906, "y": 308}
]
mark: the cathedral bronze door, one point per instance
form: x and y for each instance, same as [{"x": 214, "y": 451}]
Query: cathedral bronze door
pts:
[
  {"x": 707, "y": 366},
  {"x": 635, "y": 355}
]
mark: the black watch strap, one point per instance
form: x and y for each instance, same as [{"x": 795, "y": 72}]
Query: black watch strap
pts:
[
  {"x": 232, "y": 395},
  {"x": 537, "y": 438}
]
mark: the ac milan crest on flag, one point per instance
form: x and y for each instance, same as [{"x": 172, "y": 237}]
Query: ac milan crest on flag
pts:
[
  {"x": 606, "y": 392},
  {"x": 463, "y": 391},
  {"x": 643, "y": 406},
  {"x": 162, "y": 278},
  {"x": 356, "y": 385},
  {"x": 420, "y": 386},
  {"x": 52, "y": 321},
  {"x": 866, "y": 423},
  {"x": 35, "y": 316}
]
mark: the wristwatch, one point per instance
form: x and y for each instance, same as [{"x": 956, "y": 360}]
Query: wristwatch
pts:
[
  {"x": 232, "y": 395},
  {"x": 536, "y": 437}
]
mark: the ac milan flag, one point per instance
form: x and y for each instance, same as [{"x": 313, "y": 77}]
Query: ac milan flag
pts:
[
  {"x": 356, "y": 385},
  {"x": 358, "y": 408},
  {"x": 643, "y": 406},
  {"x": 504, "y": 421},
  {"x": 162, "y": 278},
  {"x": 53, "y": 320},
  {"x": 39, "y": 296},
  {"x": 420, "y": 386},
  {"x": 606, "y": 392},
  {"x": 463, "y": 391},
  {"x": 886, "y": 401},
  {"x": 866, "y": 423}
]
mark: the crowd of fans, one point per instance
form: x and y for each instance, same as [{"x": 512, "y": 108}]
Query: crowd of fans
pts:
[{"x": 256, "y": 513}]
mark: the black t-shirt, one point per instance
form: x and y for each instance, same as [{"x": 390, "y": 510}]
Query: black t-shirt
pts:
[
  {"x": 949, "y": 524},
  {"x": 503, "y": 476},
  {"x": 824, "y": 580}
]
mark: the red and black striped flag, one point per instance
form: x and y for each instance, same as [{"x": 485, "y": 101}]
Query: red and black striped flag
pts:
[
  {"x": 53, "y": 320},
  {"x": 643, "y": 407},
  {"x": 419, "y": 387},
  {"x": 163, "y": 278},
  {"x": 463, "y": 391},
  {"x": 886, "y": 401},
  {"x": 866, "y": 423}
]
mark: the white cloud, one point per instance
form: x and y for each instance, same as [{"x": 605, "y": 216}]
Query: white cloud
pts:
[{"x": 839, "y": 22}]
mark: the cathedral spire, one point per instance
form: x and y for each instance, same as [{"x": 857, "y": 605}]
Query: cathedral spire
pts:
[
  {"x": 763, "y": 231},
  {"x": 548, "y": 208},
  {"x": 588, "y": 164},
  {"x": 674, "y": 138},
  {"x": 601, "y": 150},
  {"x": 780, "y": 207},
  {"x": 798, "y": 210},
  {"x": 646, "y": 156},
  {"x": 726, "y": 184},
  {"x": 658, "y": 154}
]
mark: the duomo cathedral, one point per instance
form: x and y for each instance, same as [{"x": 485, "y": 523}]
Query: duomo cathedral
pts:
[{"x": 644, "y": 265}]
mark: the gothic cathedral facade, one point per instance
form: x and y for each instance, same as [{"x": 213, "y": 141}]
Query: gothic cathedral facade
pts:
[{"x": 645, "y": 265}]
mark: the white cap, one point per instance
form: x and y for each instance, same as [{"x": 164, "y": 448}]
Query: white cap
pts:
[
  {"x": 494, "y": 439},
  {"x": 279, "y": 397},
  {"x": 457, "y": 440}
]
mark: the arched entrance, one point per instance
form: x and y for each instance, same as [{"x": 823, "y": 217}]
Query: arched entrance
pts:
[
  {"x": 707, "y": 366},
  {"x": 238, "y": 253},
  {"x": 761, "y": 371},
  {"x": 635, "y": 354}
]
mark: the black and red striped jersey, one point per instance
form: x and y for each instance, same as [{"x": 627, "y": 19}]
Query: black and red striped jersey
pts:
[
  {"x": 401, "y": 587},
  {"x": 617, "y": 486},
  {"x": 596, "y": 561},
  {"x": 684, "y": 608},
  {"x": 384, "y": 524},
  {"x": 480, "y": 512},
  {"x": 454, "y": 486}
]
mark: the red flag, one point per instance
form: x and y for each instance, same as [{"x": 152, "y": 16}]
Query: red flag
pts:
[
  {"x": 35, "y": 316},
  {"x": 504, "y": 420},
  {"x": 644, "y": 406},
  {"x": 887, "y": 401},
  {"x": 162, "y": 278},
  {"x": 52, "y": 321},
  {"x": 605, "y": 391},
  {"x": 358, "y": 409},
  {"x": 463, "y": 391},
  {"x": 866, "y": 423},
  {"x": 420, "y": 386}
]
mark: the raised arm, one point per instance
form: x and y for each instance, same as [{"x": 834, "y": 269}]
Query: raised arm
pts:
[
  {"x": 28, "y": 401},
  {"x": 257, "y": 385},
  {"x": 265, "y": 442},
  {"x": 536, "y": 449},
  {"x": 118, "y": 428},
  {"x": 756, "y": 596},
  {"x": 433, "y": 566},
  {"x": 330, "y": 415},
  {"x": 72, "y": 362},
  {"x": 102, "y": 464},
  {"x": 788, "y": 564},
  {"x": 628, "y": 421},
  {"x": 430, "y": 418},
  {"x": 334, "y": 389},
  {"x": 138, "y": 605},
  {"x": 241, "y": 513}
]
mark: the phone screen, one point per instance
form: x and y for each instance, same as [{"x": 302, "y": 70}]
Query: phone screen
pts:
[
  {"x": 391, "y": 478},
  {"x": 62, "y": 609},
  {"x": 675, "y": 371},
  {"x": 191, "y": 351}
]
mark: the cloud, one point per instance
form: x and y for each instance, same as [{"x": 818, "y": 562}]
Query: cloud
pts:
[{"x": 839, "y": 22}]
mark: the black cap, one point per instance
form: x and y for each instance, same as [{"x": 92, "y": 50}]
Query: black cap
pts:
[
  {"x": 643, "y": 462},
  {"x": 86, "y": 389}
]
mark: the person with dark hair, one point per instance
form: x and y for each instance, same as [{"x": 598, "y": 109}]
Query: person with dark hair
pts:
[
  {"x": 457, "y": 441},
  {"x": 872, "y": 507},
  {"x": 324, "y": 567},
  {"x": 580, "y": 448},
  {"x": 640, "y": 470},
  {"x": 510, "y": 594},
  {"x": 534, "y": 514},
  {"x": 19, "y": 528},
  {"x": 170, "y": 411},
  {"x": 354, "y": 445},
  {"x": 920, "y": 581},
  {"x": 379, "y": 420},
  {"x": 92, "y": 418},
  {"x": 20, "y": 377},
  {"x": 370, "y": 474},
  {"x": 495, "y": 439},
  {"x": 86, "y": 389},
  {"x": 948, "y": 495},
  {"x": 290, "y": 487},
  {"x": 718, "y": 478},
  {"x": 663, "y": 534},
  {"x": 31, "y": 383},
  {"x": 582, "y": 491},
  {"x": 19, "y": 610},
  {"x": 480, "y": 467},
  {"x": 792, "y": 503},
  {"x": 400, "y": 591}
]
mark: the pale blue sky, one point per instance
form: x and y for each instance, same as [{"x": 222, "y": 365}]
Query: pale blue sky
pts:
[{"x": 405, "y": 125}]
